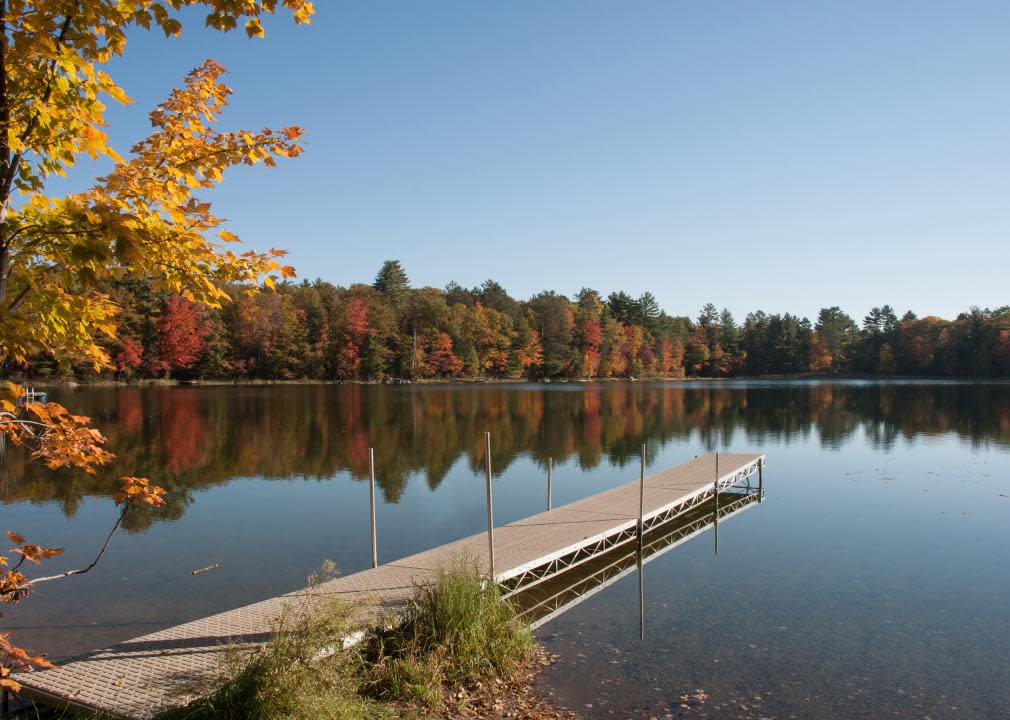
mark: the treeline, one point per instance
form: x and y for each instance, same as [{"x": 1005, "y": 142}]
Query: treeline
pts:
[{"x": 388, "y": 330}]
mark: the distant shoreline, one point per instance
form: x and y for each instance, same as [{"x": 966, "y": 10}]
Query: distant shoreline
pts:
[{"x": 251, "y": 382}]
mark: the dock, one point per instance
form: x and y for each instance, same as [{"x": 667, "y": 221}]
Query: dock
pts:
[{"x": 140, "y": 678}]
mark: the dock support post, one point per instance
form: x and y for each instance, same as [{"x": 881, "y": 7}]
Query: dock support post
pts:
[
  {"x": 761, "y": 464},
  {"x": 641, "y": 496},
  {"x": 641, "y": 549},
  {"x": 550, "y": 473},
  {"x": 371, "y": 503},
  {"x": 716, "y": 494},
  {"x": 490, "y": 510},
  {"x": 641, "y": 593}
]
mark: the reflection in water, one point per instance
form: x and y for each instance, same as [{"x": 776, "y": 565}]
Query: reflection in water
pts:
[
  {"x": 189, "y": 438},
  {"x": 542, "y": 603}
]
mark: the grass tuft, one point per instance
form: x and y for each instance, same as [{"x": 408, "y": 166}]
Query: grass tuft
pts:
[{"x": 456, "y": 631}]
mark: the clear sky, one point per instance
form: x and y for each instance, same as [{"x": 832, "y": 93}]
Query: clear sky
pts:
[{"x": 781, "y": 156}]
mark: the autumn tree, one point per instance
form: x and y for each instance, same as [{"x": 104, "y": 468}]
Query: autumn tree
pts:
[
  {"x": 918, "y": 344},
  {"x": 269, "y": 330},
  {"x": 613, "y": 361},
  {"x": 181, "y": 330},
  {"x": 485, "y": 338},
  {"x": 352, "y": 344},
  {"x": 820, "y": 359},
  {"x": 588, "y": 330},
  {"x": 528, "y": 351},
  {"x": 441, "y": 357},
  {"x": 672, "y": 358},
  {"x": 142, "y": 219},
  {"x": 130, "y": 355},
  {"x": 424, "y": 314},
  {"x": 634, "y": 343},
  {"x": 590, "y": 339}
]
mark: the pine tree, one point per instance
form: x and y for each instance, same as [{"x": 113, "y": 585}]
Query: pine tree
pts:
[{"x": 392, "y": 281}]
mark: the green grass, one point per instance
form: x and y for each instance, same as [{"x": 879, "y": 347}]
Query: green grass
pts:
[{"x": 456, "y": 631}]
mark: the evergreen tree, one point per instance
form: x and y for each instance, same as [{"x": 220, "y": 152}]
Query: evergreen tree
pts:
[
  {"x": 456, "y": 294},
  {"x": 392, "y": 281},
  {"x": 494, "y": 296},
  {"x": 729, "y": 332},
  {"x": 625, "y": 308},
  {"x": 839, "y": 334},
  {"x": 648, "y": 310}
]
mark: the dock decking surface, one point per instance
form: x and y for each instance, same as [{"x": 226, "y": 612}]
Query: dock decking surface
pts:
[{"x": 139, "y": 678}]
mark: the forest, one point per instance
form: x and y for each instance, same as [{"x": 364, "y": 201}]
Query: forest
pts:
[{"x": 389, "y": 330}]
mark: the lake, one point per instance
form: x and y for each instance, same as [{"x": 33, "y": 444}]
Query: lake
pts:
[{"x": 872, "y": 581}]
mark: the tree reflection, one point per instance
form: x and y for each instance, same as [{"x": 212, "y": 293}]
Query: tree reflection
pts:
[{"x": 187, "y": 439}]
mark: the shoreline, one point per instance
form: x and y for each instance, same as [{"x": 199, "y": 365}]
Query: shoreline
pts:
[{"x": 253, "y": 382}]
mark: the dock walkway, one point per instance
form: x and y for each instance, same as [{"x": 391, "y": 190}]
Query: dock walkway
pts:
[{"x": 140, "y": 678}]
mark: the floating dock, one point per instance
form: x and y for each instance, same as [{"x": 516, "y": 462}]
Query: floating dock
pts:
[{"x": 140, "y": 678}]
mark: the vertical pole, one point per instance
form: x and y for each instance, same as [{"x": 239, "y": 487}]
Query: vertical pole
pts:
[
  {"x": 716, "y": 519},
  {"x": 641, "y": 534},
  {"x": 641, "y": 593},
  {"x": 761, "y": 464},
  {"x": 490, "y": 509},
  {"x": 5, "y": 710},
  {"x": 371, "y": 503},
  {"x": 550, "y": 473},
  {"x": 641, "y": 495}
]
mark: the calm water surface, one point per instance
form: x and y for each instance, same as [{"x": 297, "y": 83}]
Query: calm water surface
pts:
[{"x": 872, "y": 582}]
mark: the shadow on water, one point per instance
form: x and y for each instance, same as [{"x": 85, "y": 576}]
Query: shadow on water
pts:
[{"x": 540, "y": 604}]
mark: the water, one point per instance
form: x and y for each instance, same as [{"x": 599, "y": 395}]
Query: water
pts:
[{"x": 871, "y": 582}]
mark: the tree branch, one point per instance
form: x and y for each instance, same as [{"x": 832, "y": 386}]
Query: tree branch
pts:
[
  {"x": 18, "y": 301},
  {"x": 79, "y": 571}
]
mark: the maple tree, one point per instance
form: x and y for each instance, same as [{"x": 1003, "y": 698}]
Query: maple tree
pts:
[
  {"x": 142, "y": 219},
  {"x": 181, "y": 331},
  {"x": 356, "y": 330},
  {"x": 589, "y": 329},
  {"x": 614, "y": 362},
  {"x": 441, "y": 357},
  {"x": 130, "y": 355},
  {"x": 529, "y": 352}
]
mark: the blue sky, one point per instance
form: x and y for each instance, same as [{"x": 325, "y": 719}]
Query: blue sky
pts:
[{"x": 781, "y": 156}]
